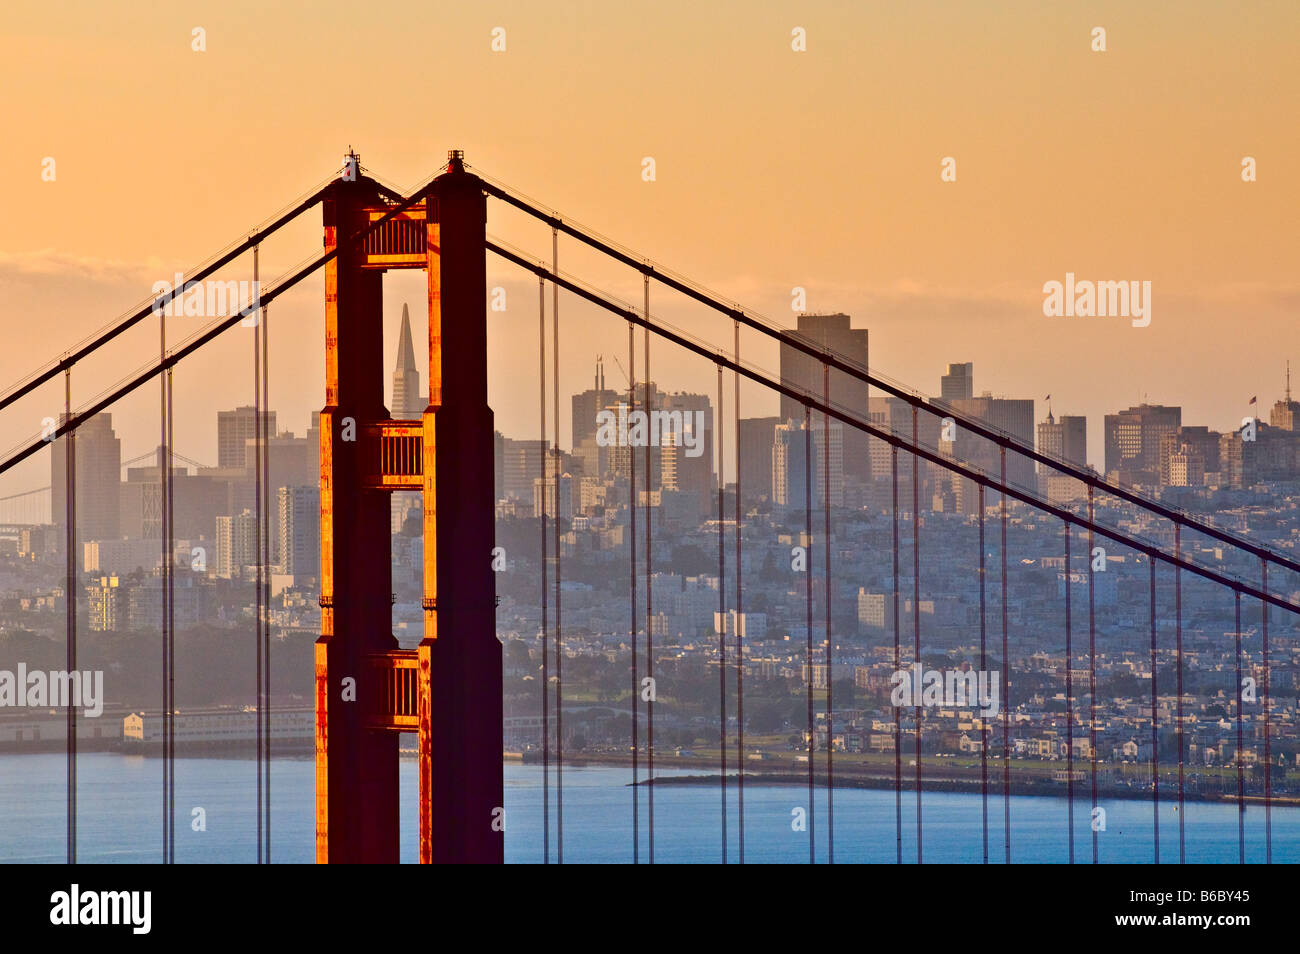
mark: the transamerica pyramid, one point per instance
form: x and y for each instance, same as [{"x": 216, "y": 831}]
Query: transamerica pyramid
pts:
[{"x": 408, "y": 403}]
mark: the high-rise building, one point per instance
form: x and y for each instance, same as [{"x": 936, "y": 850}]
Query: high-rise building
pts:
[
  {"x": 1270, "y": 453},
  {"x": 521, "y": 462},
  {"x": 958, "y": 384},
  {"x": 544, "y": 494},
  {"x": 587, "y": 404},
  {"x": 234, "y": 430},
  {"x": 756, "y": 437},
  {"x": 99, "y": 473},
  {"x": 408, "y": 403},
  {"x": 297, "y": 550},
  {"x": 1186, "y": 468},
  {"x": 804, "y": 372},
  {"x": 894, "y": 416},
  {"x": 105, "y": 601},
  {"x": 236, "y": 544},
  {"x": 686, "y": 457},
  {"x": 1286, "y": 413},
  {"x": 196, "y": 502},
  {"x": 1133, "y": 439},
  {"x": 313, "y": 435},
  {"x": 790, "y": 465},
  {"x": 1199, "y": 449},
  {"x": 1013, "y": 416},
  {"x": 1065, "y": 438}
]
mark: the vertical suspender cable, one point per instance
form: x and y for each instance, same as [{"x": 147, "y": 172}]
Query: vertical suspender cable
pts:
[
  {"x": 1241, "y": 777},
  {"x": 1092, "y": 672},
  {"x": 264, "y": 323},
  {"x": 808, "y": 656},
  {"x": 171, "y": 621},
  {"x": 631, "y": 569},
  {"x": 1178, "y": 706},
  {"x": 70, "y": 602},
  {"x": 830, "y": 651},
  {"x": 740, "y": 624},
  {"x": 722, "y": 623},
  {"x": 898, "y": 667},
  {"x": 916, "y": 615},
  {"x": 1069, "y": 701},
  {"x": 259, "y": 529},
  {"x": 649, "y": 613},
  {"x": 546, "y": 672},
  {"x": 984, "y": 667},
  {"x": 1155, "y": 738},
  {"x": 168, "y": 706},
  {"x": 559, "y": 654},
  {"x": 1268, "y": 703},
  {"x": 1006, "y": 671}
]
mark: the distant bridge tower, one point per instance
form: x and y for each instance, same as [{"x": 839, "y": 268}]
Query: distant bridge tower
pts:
[{"x": 367, "y": 690}]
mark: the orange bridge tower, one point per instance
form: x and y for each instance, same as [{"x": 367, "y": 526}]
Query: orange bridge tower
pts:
[{"x": 367, "y": 689}]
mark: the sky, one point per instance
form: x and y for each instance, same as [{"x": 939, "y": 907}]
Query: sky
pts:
[{"x": 775, "y": 168}]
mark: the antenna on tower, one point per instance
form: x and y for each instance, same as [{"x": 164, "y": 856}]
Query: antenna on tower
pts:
[{"x": 1288, "y": 382}]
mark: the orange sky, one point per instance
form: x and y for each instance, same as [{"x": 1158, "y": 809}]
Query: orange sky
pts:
[{"x": 774, "y": 169}]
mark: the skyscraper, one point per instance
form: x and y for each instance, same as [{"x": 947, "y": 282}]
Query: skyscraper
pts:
[
  {"x": 99, "y": 474},
  {"x": 1187, "y": 455},
  {"x": 521, "y": 461},
  {"x": 236, "y": 545},
  {"x": 234, "y": 430},
  {"x": 756, "y": 437},
  {"x": 298, "y": 530},
  {"x": 804, "y": 372},
  {"x": 408, "y": 403},
  {"x": 1286, "y": 413},
  {"x": 790, "y": 465},
  {"x": 682, "y": 468},
  {"x": 1133, "y": 439},
  {"x": 958, "y": 384},
  {"x": 587, "y": 404},
  {"x": 1014, "y": 416},
  {"x": 1065, "y": 437}
]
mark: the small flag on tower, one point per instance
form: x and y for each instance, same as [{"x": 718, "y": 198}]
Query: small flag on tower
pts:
[
  {"x": 1048, "y": 398},
  {"x": 1252, "y": 400}
]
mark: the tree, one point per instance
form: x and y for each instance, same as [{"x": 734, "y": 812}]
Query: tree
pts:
[
  {"x": 844, "y": 693},
  {"x": 764, "y": 718}
]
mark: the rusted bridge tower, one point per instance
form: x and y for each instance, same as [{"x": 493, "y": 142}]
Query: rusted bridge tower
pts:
[{"x": 368, "y": 690}]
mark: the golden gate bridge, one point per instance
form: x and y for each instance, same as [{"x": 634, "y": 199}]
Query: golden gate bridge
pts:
[{"x": 449, "y": 690}]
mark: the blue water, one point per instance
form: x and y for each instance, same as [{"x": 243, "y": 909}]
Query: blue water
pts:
[{"x": 120, "y": 820}]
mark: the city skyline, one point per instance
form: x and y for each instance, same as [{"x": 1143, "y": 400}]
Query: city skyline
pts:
[{"x": 235, "y": 426}]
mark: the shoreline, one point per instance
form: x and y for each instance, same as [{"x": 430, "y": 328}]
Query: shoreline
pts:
[
  {"x": 789, "y": 775},
  {"x": 1048, "y": 788}
]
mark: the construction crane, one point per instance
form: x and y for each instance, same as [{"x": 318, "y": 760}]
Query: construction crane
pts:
[{"x": 626, "y": 377}]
